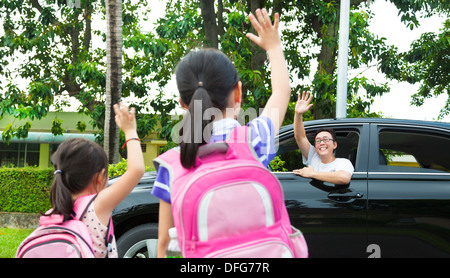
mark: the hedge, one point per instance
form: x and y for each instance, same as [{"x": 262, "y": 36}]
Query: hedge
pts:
[
  {"x": 25, "y": 189},
  {"x": 28, "y": 189}
]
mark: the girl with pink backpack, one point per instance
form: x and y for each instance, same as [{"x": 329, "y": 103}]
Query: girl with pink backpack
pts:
[
  {"x": 215, "y": 188},
  {"x": 79, "y": 222}
]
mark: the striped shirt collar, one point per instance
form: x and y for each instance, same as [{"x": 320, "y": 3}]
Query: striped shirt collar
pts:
[{"x": 222, "y": 127}]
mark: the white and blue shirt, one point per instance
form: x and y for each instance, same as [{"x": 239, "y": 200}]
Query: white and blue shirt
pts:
[{"x": 262, "y": 140}]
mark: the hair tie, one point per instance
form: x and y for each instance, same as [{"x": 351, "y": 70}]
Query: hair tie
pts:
[{"x": 57, "y": 172}]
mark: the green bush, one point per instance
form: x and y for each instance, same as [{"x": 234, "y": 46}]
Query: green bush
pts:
[
  {"x": 28, "y": 189},
  {"x": 277, "y": 165},
  {"x": 25, "y": 189},
  {"x": 118, "y": 169},
  {"x": 115, "y": 170}
]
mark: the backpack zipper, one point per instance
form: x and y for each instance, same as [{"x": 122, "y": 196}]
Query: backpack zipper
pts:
[
  {"x": 76, "y": 248},
  {"x": 193, "y": 244},
  {"x": 65, "y": 230},
  {"x": 259, "y": 242}
]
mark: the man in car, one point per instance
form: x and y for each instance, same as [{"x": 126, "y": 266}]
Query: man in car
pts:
[{"x": 320, "y": 160}]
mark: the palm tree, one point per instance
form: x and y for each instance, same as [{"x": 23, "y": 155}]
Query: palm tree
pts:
[{"x": 113, "y": 76}]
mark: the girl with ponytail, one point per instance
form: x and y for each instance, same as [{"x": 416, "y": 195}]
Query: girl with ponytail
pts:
[
  {"x": 81, "y": 168},
  {"x": 210, "y": 92},
  {"x": 205, "y": 79}
]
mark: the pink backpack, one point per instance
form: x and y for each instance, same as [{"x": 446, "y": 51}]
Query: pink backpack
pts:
[
  {"x": 55, "y": 238},
  {"x": 230, "y": 205}
]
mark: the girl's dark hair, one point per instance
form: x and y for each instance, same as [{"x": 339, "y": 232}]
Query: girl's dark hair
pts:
[
  {"x": 78, "y": 161},
  {"x": 205, "y": 79}
]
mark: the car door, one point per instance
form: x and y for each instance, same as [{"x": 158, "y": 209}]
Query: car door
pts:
[
  {"x": 409, "y": 191},
  {"x": 331, "y": 217}
]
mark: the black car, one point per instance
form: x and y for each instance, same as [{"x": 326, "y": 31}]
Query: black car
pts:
[{"x": 396, "y": 205}]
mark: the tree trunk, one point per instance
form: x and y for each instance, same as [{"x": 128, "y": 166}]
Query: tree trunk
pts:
[
  {"x": 327, "y": 60},
  {"x": 209, "y": 22},
  {"x": 220, "y": 23},
  {"x": 113, "y": 76},
  {"x": 259, "y": 55}
]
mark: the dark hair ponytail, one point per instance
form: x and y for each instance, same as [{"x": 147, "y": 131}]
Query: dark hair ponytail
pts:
[
  {"x": 205, "y": 79},
  {"x": 194, "y": 129},
  {"x": 76, "y": 162},
  {"x": 60, "y": 197}
]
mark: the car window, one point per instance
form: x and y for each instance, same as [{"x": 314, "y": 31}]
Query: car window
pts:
[
  {"x": 289, "y": 156},
  {"x": 409, "y": 151},
  {"x": 398, "y": 158}
]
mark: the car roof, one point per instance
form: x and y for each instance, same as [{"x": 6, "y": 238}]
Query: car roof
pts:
[{"x": 390, "y": 121}]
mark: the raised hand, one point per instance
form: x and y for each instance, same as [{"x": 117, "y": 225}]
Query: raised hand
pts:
[
  {"x": 125, "y": 118},
  {"x": 268, "y": 37},
  {"x": 303, "y": 103}
]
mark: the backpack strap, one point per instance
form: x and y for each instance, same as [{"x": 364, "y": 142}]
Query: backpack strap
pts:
[
  {"x": 240, "y": 135},
  {"x": 80, "y": 207},
  {"x": 238, "y": 144},
  {"x": 109, "y": 237},
  {"x": 170, "y": 160}
]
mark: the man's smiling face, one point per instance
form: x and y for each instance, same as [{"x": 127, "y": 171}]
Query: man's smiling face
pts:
[{"x": 325, "y": 145}]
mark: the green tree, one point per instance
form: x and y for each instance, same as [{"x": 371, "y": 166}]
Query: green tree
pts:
[
  {"x": 427, "y": 63},
  {"x": 47, "y": 50},
  {"x": 49, "y": 46},
  {"x": 312, "y": 25}
]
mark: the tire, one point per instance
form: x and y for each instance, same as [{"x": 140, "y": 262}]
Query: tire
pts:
[{"x": 139, "y": 242}]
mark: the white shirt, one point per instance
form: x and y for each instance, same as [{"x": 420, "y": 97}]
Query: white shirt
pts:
[{"x": 337, "y": 165}]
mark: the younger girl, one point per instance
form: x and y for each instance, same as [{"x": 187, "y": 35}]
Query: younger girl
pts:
[
  {"x": 81, "y": 168},
  {"x": 208, "y": 80}
]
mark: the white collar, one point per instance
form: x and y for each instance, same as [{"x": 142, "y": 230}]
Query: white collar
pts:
[{"x": 222, "y": 126}]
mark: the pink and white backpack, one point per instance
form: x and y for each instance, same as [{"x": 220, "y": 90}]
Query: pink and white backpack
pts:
[
  {"x": 56, "y": 238},
  {"x": 230, "y": 205}
]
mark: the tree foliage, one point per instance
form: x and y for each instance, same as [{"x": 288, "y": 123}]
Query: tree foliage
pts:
[
  {"x": 427, "y": 63},
  {"x": 47, "y": 50}
]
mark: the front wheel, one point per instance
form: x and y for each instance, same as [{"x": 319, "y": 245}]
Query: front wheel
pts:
[{"x": 139, "y": 242}]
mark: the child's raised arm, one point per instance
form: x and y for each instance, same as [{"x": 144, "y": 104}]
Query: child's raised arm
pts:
[
  {"x": 111, "y": 196},
  {"x": 269, "y": 39}
]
